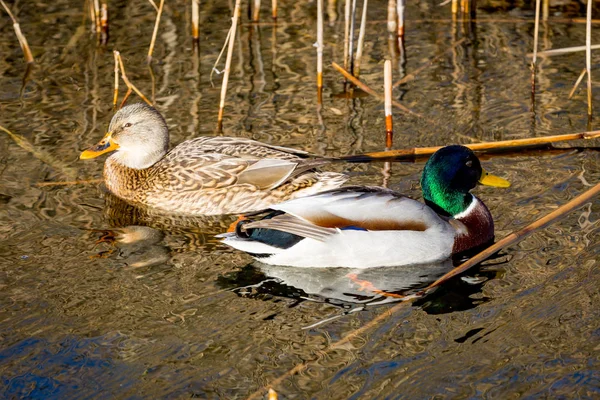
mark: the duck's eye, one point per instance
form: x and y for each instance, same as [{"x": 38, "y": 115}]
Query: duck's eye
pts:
[
  {"x": 469, "y": 163},
  {"x": 127, "y": 125}
]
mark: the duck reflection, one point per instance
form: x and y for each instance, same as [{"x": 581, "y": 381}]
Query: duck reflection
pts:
[
  {"x": 182, "y": 232},
  {"x": 339, "y": 286},
  {"x": 351, "y": 288}
]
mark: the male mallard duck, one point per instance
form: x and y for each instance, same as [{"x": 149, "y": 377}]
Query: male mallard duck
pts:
[
  {"x": 362, "y": 227},
  {"x": 207, "y": 175}
]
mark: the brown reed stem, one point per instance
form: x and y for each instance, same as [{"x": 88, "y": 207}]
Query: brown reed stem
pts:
[
  {"x": 351, "y": 44},
  {"x": 90, "y": 4},
  {"x": 535, "y": 47},
  {"x": 155, "y": 32},
  {"x": 116, "y": 87},
  {"x": 361, "y": 39},
  {"x": 387, "y": 89},
  {"x": 588, "y": 56},
  {"x": 130, "y": 86},
  {"x": 370, "y": 91},
  {"x": 196, "y": 20},
  {"x": 545, "y": 10},
  {"x": 454, "y": 7},
  {"x": 564, "y": 50},
  {"x": 392, "y": 21},
  {"x": 346, "y": 33},
  {"x": 20, "y": 37},
  {"x": 400, "y": 5},
  {"x": 97, "y": 16},
  {"x": 104, "y": 24},
  {"x": 583, "y": 71},
  {"x": 274, "y": 9},
  {"x": 154, "y": 5},
  {"x": 319, "y": 51},
  {"x": 234, "y": 21},
  {"x": 482, "y": 147}
]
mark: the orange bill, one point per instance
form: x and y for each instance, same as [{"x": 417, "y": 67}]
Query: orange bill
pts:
[{"x": 104, "y": 146}]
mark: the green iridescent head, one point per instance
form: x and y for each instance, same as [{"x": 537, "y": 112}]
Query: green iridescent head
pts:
[{"x": 449, "y": 175}]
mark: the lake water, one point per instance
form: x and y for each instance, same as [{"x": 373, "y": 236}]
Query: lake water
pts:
[{"x": 102, "y": 300}]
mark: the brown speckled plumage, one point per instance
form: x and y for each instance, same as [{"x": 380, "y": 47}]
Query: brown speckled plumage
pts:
[{"x": 207, "y": 175}]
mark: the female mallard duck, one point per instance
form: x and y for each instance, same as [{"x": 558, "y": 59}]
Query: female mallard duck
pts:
[
  {"x": 207, "y": 175},
  {"x": 362, "y": 227}
]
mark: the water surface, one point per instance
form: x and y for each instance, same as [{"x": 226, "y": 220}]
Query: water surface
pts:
[{"x": 103, "y": 300}]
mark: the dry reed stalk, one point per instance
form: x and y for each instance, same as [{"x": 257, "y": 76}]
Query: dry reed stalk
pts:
[
  {"x": 272, "y": 394},
  {"x": 155, "y": 32},
  {"x": 130, "y": 86},
  {"x": 545, "y": 10},
  {"x": 387, "y": 89},
  {"x": 535, "y": 47},
  {"x": 564, "y": 50},
  {"x": 69, "y": 183},
  {"x": 256, "y": 11},
  {"x": 370, "y": 91},
  {"x": 400, "y": 5},
  {"x": 464, "y": 7},
  {"x": 97, "y": 16},
  {"x": 361, "y": 39},
  {"x": 214, "y": 68},
  {"x": 513, "y": 238},
  {"x": 104, "y": 24},
  {"x": 90, "y": 5},
  {"x": 319, "y": 51},
  {"x": 482, "y": 147},
  {"x": 154, "y": 5},
  {"x": 417, "y": 71},
  {"x": 346, "y": 33},
  {"x": 196, "y": 20},
  {"x": 226, "y": 71},
  {"x": 392, "y": 21},
  {"x": 588, "y": 56},
  {"x": 583, "y": 71},
  {"x": 116, "y": 88},
  {"x": 20, "y": 37},
  {"x": 454, "y": 7},
  {"x": 274, "y": 9},
  {"x": 351, "y": 44}
]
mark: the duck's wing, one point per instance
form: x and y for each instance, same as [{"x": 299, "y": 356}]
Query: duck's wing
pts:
[
  {"x": 243, "y": 148},
  {"x": 191, "y": 168},
  {"x": 362, "y": 207},
  {"x": 352, "y": 207}
]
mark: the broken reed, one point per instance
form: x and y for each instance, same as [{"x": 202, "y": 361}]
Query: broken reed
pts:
[
  {"x": 155, "y": 32},
  {"x": 370, "y": 91},
  {"x": 130, "y": 86},
  {"x": 361, "y": 39},
  {"x": 319, "y": 51},
  {"x": 234, "y": 21},
  {"x": 196, "y": 20},
  {"x": 387, "y": 87},
  {"x": 20, "y": 37}
]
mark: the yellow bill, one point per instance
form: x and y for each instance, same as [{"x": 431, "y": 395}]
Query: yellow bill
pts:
[
  {"x": 493, "y": 180},
  {"x": 104, "y": 146}
]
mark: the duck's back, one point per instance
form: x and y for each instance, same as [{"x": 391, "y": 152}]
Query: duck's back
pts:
[
  {"x": 220, "y": 175},
  {"x": 355, "y": 227}
]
